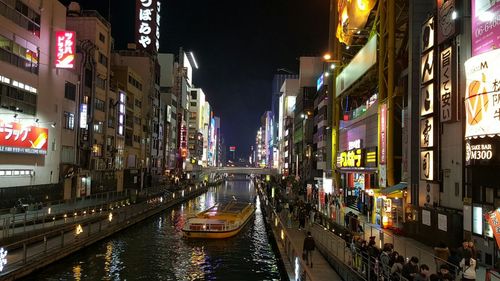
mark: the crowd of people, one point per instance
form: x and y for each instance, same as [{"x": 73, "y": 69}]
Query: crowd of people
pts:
[{"x": 387, "y": 264}]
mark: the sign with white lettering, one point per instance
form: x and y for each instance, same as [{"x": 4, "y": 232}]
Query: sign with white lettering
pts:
[
  {"x": 65, "y": 49},
  {"x": 354, "y": 144},
  {"x": 83, "y": 116},
  {"x": 482, "y": 151},
  {"x": 148, "y": 24},
  {"x": 18, "y": 137}
]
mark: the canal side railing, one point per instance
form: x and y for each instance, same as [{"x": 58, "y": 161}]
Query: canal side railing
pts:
[
  {"x": 20, "y": 258},
  {"x": 56, "y": 213},
  {"x": 292, "y": 251}
]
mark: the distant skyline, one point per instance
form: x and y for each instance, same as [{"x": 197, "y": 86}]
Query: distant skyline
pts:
[{"x": 238, "y": 47}]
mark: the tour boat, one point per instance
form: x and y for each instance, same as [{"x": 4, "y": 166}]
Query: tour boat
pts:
[{"x": 219, "y": 221}]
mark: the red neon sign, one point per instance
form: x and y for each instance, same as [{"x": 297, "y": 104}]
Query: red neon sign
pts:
[
  {"x": 232, "y": 148},
  {"x": 18, "y": 138},
  {"x": 65, "y": 49}
]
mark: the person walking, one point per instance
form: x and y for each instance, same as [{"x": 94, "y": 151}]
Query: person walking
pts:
[
  {"x": 302, "y": 218},
  {"x": 468, "y": 266},
  {"x": 441, "y": 254},
  {"x": 308, "y": 248}
]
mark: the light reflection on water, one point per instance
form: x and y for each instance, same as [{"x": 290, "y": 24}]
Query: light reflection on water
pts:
[{"x": 155, "y": 249}]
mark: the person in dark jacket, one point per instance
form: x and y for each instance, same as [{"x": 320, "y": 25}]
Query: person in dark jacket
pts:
[
  {"x": 410, "y": 269},
  {"x": 308, "y": 248},
  {"x": 302, "y": 218}
]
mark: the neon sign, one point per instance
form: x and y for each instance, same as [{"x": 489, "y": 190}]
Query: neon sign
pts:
[{"x": 65, "y": 49}]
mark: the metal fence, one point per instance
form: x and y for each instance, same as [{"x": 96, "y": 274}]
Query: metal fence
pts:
[
  {"x": 56, "y": 213},
  {"x": 293, "y": 252}
]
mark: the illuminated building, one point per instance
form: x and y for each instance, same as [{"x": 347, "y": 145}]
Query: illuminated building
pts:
[
  {"x": 33, "y": 103},
  {"x": 97, "y": 136},
  {"x": 168, "y": 100},
  {"x": 289, "y": 91},
  {"x": 134, "y": 151}
]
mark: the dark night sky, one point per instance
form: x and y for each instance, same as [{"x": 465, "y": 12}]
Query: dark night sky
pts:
[{"x": 238, "y": 46}]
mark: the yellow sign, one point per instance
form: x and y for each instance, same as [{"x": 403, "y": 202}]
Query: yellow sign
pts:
[{"x": 352, "y": 158}]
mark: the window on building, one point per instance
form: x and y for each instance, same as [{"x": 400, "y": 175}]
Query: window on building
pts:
[
  {"x": 70, "y": 91},
  {"x": 138, "y": 103},
  {"x": 22, "y": 15},
  {"x": 88, "y": 78},
  {"x": 193, "y": 104},
  {"x": 98, "y": 127},
  {"x": 17, "y": 99},
  {"x": 194, "y": 95},
  {"x": 103, "y": 59},
  {"x": 67, "y": 154},
  {"x": 24, "y": 56},
  {"x": 97, "y": 150},
  {"x": 69, "y": 120},
  {"x": 102, "y": 38},
  {"x": 100, "y": 105},
  {"x": 137, "y": 120},
  {"x": 100, "y": 83}
]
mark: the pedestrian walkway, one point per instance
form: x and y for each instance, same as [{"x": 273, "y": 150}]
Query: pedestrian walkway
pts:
[
  {"x": 321, "y": 269},
  {"x": 405, "y": 246},
  {"x": 290, "y": 241}
]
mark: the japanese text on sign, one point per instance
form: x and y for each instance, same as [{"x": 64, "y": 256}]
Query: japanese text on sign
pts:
[
  {"x": 148, "y": 25},
  {"x": 65, "y": 49},
  {"x": 482, "y": 98},
  {"x": 447, "y": 100},
  {"x": 18, "y": 138},
  {"x": 352, "y": 158}
]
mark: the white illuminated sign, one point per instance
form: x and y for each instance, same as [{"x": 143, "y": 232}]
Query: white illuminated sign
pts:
[
  {"x": 427, "y": 165},
  {"x": 477, "y": 220},
  {"x": 427, "y": 67},
  {"x": 3, "y": 258},
  {"x": 354, "y": 144},
  {"x": 83, "y": 116},
  {"x": 427, "y": 100},
  {"x": 427, "y": 132},
  {"x": 121, "y": 113},
  {"x": 482, "y": 97},
  {"x": 478, "y": 152}
]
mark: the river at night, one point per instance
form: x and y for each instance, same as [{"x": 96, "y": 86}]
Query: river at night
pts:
[{"x": 155, "y": 249}]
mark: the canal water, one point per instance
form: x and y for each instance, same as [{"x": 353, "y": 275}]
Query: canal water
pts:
[{"x": 155, "y": 249}]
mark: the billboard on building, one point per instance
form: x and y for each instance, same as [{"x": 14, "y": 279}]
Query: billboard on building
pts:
[
  {"x": 485, "y": 27},
  {"x": 352, "y": 18},
  {"x": 482, "y": 96},
  {"x": 148, "y": 24},
  {"x": 16, "y": 137},
  {"x": 65, "y": 49}
]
